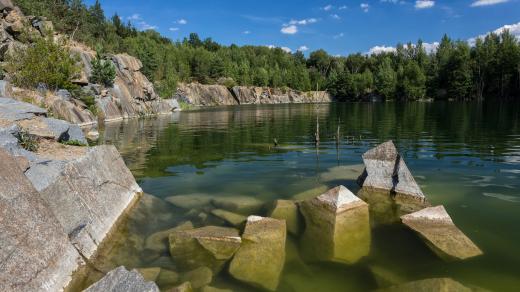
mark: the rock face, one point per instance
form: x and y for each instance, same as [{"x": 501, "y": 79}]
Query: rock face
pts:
[
  {"x": 214, "y": 95},
  {"x": 337, "y": 227},
  {"x": 261, "y": 258},
  {"x": 122, "y": 280},
  {"x": 35, "y": 253},
  {"x": 435, "y": 226},
  {"x": 427, "y": 285},
  {"x": 209, "y": 246},
  {"x": 132, "y": 95},
  {"x": 386, "y": 170},
  {"x": 87, "y": 194}
]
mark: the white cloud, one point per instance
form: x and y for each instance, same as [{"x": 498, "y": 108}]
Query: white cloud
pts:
[
  {"x": 173, "y": 29},
  {"x": 424, "y": 4},
  {"x": 286, "y": 49},
  {"x": 291, "y": 29},
  {"x": 246, "y": 32},
  {"x": 271, "y": 46},
  {"x": 430, "y": 47},
  {"x": 303, "y": 48},
  {"x": 335, "y": 16},
  {"x": 134, "y": 17},
  {"x": 343, "y": 7},
  {"x": 381, "y": 49},
  {"x": 182, "y": 21},
  {"x": 146, "y": 26},
  {"x": 328, "y": 7},
  {"x": 140, "y": 23},
  {"x": 487, "y": 2},
  {"x": 340, "y": 35},
  {"x": 514, "y": 29},
  {"x": 302, "y": 21},
  {"x": 364, "y": 6}
]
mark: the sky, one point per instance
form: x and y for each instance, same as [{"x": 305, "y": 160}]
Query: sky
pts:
[{"x": 339, "y": 27}]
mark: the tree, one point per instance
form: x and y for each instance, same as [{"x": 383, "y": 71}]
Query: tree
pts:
[
  {"x": 103, "y": 70},
  {"x": 386, "y": 79},
  {"x": 413, "y": 81}
]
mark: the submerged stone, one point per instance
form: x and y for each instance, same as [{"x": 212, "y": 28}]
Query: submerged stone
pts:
[
  {"x": 159, "y": 241},
  {"x": 337, "y": 227},
  {"x": 190, "y": 201},
  {"x": 427, "y": 285},
  {"x": 230, "y": 217},
  {"x": 121, "y": 280},
  {"x": 309, "y": 194},
  {"x": 288, "y": 211},
  {"x": 167, "y": 278},
  {"x": 184, "y": 287},
  {"x": 214, "y": 289},
  {"x": 209, "y": 246},
  {"x": 386, "y": 170},
  {"x": 436, "y": 227},
  {"x": 241, "y": 204},
  {"x": 261, "y": 258},
  {"x": 342, "y": 173},
  {"x": 150, "y": 274},
  {"x": 198, "y": 278}
]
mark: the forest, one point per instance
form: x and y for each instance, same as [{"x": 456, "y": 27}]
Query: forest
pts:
[{"x": 487, "y": 69}]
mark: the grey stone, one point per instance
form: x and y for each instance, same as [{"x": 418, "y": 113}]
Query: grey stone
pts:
[
  {"x": 198, "y": 278},
  {"x": 6, "y": 90},
  {"x": 430, "y": 285},
  {"x": 337, "y": 227},
  {"x": 174, "y": 104},
  {"x": 386, "y": 170},
  {"x": 89, "y": 194},
  {"x": 209, "y": 246},
  {"x": 122, "y": 280},
  {"x": 261, "y": 258},
  {"x": 435, "y": 226},
  {"x": 64, "y": 131},
  {"x": 65, "y": 94},
  {"x": 35, "y": 253},
  {"x": 13, "y": 110}
]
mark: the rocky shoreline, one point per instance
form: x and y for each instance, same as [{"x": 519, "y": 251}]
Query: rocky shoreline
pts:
[{"x": 59, "y": 198}]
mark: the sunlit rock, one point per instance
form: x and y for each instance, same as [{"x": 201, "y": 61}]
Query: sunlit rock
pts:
[
  {"x": 386, "y": 170},
  {"x": 198, "y": 278},
  {"x": 159, "y": 241},
  {"x": 288, "y": 211},
  {"x": 439, "y": 232},
  {"x": 261, "y": 258},
  {"x": 241, "y": 204},
  {"x": 337, "y": 227},
  {"x": 427, "y": 285},
  {"x": 121, "y": 280},
  {"x": 209, "y": 246},
  {"x": 190, "y": 201},
  {"x": 230, "y": 217}
]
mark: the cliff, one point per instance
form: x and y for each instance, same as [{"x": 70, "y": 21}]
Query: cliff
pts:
[{"x": 213, "y": 95}]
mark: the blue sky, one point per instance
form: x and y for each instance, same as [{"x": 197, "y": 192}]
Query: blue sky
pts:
[{"x": 340, "y": 27}]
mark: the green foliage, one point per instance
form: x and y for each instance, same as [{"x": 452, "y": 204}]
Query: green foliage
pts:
[
  {"x": 103, "y": 71},
  {"x": 491, "y": 68},
  {"x": 73, "y": 143},
  {"x": 27, "y": 141},
  {"x": 87, "y": 97},
  {"x": 44, "y": 61}
]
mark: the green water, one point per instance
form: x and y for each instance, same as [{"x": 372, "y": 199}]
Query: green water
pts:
[{"x": 465, "y": 156}]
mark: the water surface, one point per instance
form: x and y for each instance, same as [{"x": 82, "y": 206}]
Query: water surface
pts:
[{"x": 465, "y": 156}]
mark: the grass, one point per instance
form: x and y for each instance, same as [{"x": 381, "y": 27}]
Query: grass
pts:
[{"x": 73, "y": 143}]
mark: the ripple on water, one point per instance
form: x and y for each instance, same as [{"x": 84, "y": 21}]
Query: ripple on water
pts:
[{"x": 507, "y": 198}]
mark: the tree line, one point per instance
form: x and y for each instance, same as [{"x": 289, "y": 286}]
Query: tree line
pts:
[{"x": 488, "y": 69}]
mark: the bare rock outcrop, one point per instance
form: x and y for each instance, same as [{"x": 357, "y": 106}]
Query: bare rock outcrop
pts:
[
  {"x": 205, "y": 95},
  {"x": 435, "y": 226}
]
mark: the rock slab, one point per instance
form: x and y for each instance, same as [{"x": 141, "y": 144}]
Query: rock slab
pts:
[
  {"x": 122, "y": 280},
  {"x": 261, "y": 258},
  {"x": 436, "y": 227},
  {"x": 337, "y": 227}
]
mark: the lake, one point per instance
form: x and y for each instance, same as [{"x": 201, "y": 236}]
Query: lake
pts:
[{"x": 465, "y": 156}]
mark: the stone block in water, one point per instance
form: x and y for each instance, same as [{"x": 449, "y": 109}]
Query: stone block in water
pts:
[
  {"x": 441, "y": 235},
  {"x": 386, "y": 170},
  {"x": 288, "y": 211},
  {"x": 198, "y": 278},
  {"x": 230, "y": 217},
  {"x": 337, "y": 227},
  {"x": 261, "y": 258},
  {"x": 436, "y": 284},
  {"x": 158, "y": 241},
  {"x": 209, "y": 246},
  {"x": 241, "y": 204}
]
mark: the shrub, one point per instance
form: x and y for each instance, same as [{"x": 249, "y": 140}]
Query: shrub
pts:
[
  {"x": 103, "y": 71},
  {"x": 43, "y": 62},
  {"x": 87, "y": 97}
]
